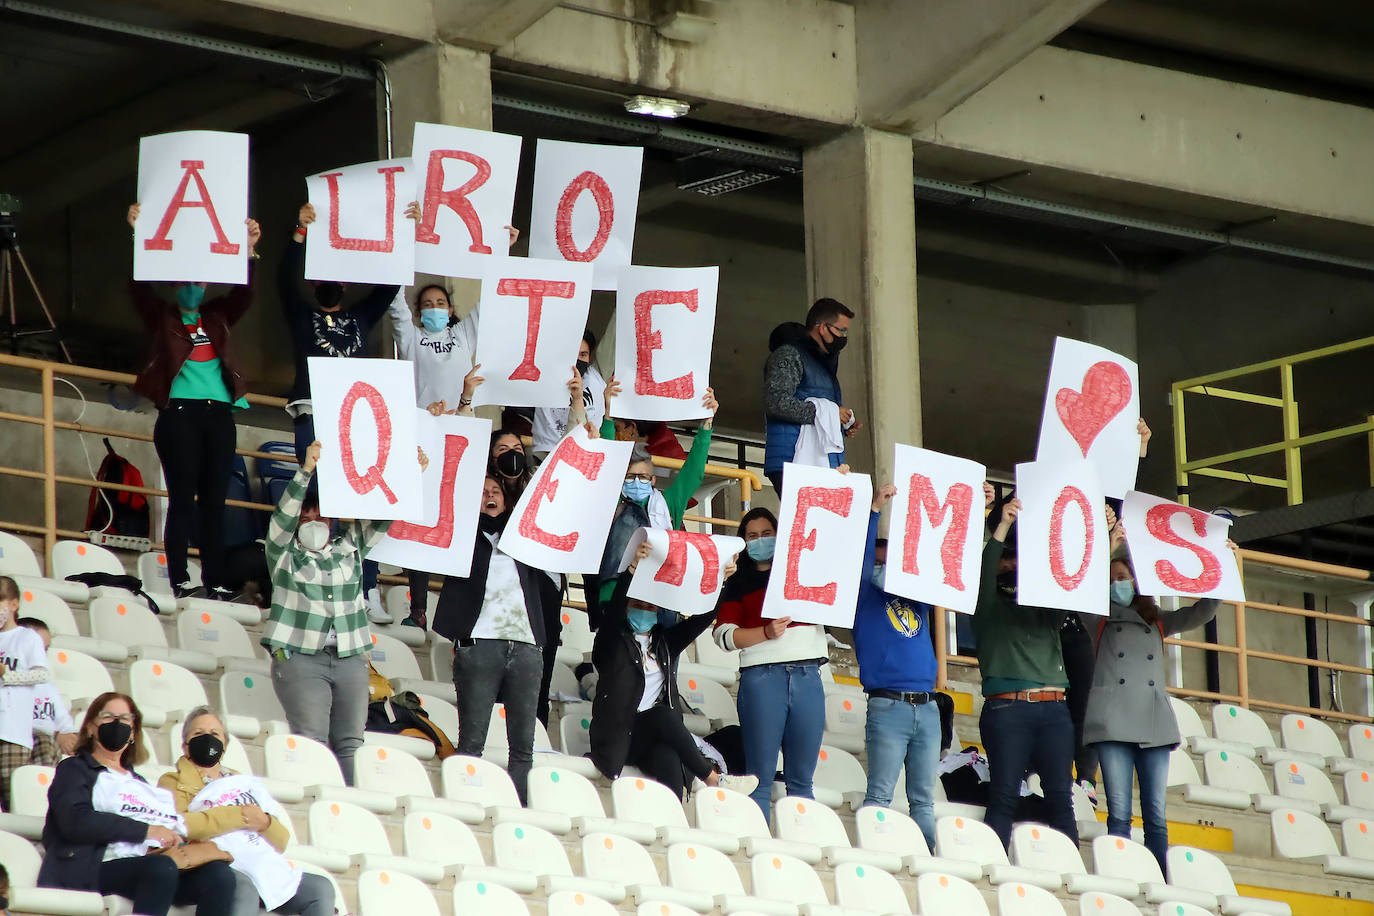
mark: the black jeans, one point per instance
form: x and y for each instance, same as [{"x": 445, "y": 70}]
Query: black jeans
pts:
[
  {"x": 661, "y": 746},
  {"x": 484, "y": 670},
  {"x": 1021, "y": 736},
  {"x": 195, "y": 442},
  {"x": 1080, "y": 658},
  {"x": 154, "y": 885},
  {"x": 419, "y": 591}
]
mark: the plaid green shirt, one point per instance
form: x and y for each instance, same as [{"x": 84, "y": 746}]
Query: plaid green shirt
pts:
[{"x": 314, "y": 592}]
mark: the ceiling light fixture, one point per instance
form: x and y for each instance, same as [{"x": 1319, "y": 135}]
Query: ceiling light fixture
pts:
[{"x": 656, "y": 106}]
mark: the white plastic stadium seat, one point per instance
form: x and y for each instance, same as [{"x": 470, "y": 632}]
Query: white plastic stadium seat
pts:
[
  {"x": 1361, "y": 738},
  {"x": 440, "y": 657},
  {"x": 18, "y": 561},
  {"x": 487, "y": 899},
  {"x": 1300, "y": 784},
  {"x": 644, "y": 801},
  {"x": 344, "y": 828},
  {"x": 391, "y": 771},
  {"x": 1305, "y": 837},
  {"x": 1304, "y": 734},
  {"x": 523, "y": 847},
  {"x": 839, "y": 777},
  {"x": 1018, "y": 899},
  {"x": 870, "y": 890},
  {"x": 804, "y": 820},
  {"x": 22, "y": 862},
  {"x": 845, "y": 718},
  {"x": 1119, "y": 857},
  {"x": 709, "y": 698},
  {"x": 222, "y": 638},
  {"x": 607, "y": 857},
  {"x": 70, "y": 557},
  {"x": 249, "y": 703},
  {"x": 29, "y": 791},
  {"x": 562, "y": 791},
  {"x": 295, "y": 758},
  {"x": 1359, "y": 795},
  {"x": 115, "y": 619},
  {"x": 1230, "y": 772},
  {"x": 1174, "y": 908},
  {"x": 450, "y": 844},
  {"x": 884, "y": 830},
  {"x": 726, "y": 812},
  {"x": 940, "y": 893},
  {"x": 1047, "y": 850},
  {"x": 382, "y": 892},
  {"x": 395, "y": 661},
  {"x": 486, "y": 785},
  {"x": 576, "y": 903},
  {"x": 442, "y": 715},
  {"x": 1243, "y": 728},
  {"x": 781, "y": 877},
  {"x": 712, "y": 662},
  {"x": 1106, "y": 905},
  {"x": 575, "y": 642},
  {"x": 975, "y": 842},
  {"x": 1200, "y": 870},
  {"x": 707, "y": 871},
  {"x": 53, "y": 611},
  {"x": 574, "y": 729},
  {"x": 1182, "y": 770},
  {"x": 164, "y": 690},
  {"x": 658, "y": 908},
  {"x": 78, "y": 676},
  {"x": 1357, "y": 838}
]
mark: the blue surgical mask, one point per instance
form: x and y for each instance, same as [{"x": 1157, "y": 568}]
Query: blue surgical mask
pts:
[
  {"x": 641, "y": 620},
  {"x": 1123, "y": 590},
  {"x": 637, "y": 491},
  {"x": 189, "y": 296},
  {"x": 760, "y": 550},
  {"x": 876, "y": 577},
  {"x": 434, "y": 320}
]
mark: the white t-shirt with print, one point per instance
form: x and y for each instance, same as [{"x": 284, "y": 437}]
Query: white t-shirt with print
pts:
[
  {"x": 128, "y": 796},
  {"x": 20, "y": 650},
  {"x": 275, "y": 878},
  {"x": 653, "y": 673},
  {"x": 503, "y": 614},
  {"x": 51, "y": 715}
]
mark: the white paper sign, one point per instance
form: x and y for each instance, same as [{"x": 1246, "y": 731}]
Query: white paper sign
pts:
[
  {"x": 441, "y": 539},
  {"x": 193, "y": 197},
  {"x": 1179, "y": 550},
  {"x": 274, "y": 877},
  {"x": 1092, "y": 406},
  {"x": 562, "y": 520},
  {"x": 532, "y": 317},
  {"x": 665, "y": 318},
  {"x": 1062, "y": 546},
  {"x": 361, "y": 233},
  {"x": 365, "y": 422},
  {"x": 585, "y": 200},
  {"x": 466, "y": 182},
  {"x": 684, "y": 570},
  {"x": 822, "y": 531},
  {"x": 935, "y": 541}
]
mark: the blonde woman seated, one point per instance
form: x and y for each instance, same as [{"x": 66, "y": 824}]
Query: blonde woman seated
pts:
[{"x": 235, "y": 811}]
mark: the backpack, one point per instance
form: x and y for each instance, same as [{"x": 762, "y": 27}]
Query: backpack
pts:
[
  {"x": 401, "y": 714},
  {"x": 118, "y": 511}
]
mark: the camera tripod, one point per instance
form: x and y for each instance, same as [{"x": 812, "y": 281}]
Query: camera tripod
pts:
[{"x": 9, "y": 255}]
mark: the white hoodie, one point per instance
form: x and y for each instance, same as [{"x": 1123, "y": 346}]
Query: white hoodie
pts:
[{"x": 441, "y": 360}]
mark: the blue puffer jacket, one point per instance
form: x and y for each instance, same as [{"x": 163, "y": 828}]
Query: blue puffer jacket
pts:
[{"x": 785, "y": 408}]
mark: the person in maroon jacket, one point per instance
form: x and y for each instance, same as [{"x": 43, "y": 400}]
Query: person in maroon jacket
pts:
[{"x": 191, "y": 378}]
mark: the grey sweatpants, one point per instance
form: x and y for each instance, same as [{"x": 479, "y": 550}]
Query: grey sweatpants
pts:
[
  {"x": 325, "y": 699},
  {"x": 315, "y": 897}
]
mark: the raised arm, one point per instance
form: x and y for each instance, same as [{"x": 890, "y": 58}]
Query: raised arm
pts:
[
  {"x": 287, "y": 516},
  {"x": 295, "y": 303},
  {"x": 1190, "y": 617},
  {"x": 402, "y": 325}
]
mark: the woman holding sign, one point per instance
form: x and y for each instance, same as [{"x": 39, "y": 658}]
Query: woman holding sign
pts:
[
  {"x": 110, "y": 832},
  {"x": 1129, "y": 719},
  {"x": 190, "y": 376},
  {"x": 781, "y": 699}
]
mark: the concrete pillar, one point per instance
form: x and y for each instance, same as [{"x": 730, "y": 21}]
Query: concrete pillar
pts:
[{"x": 860, "y": 216}]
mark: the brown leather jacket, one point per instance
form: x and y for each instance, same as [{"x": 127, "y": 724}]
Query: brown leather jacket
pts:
[{"x": 169, "y": 345}]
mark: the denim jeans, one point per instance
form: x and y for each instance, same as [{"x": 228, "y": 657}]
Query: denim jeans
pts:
[
  {"x": 314, "y": 897},
  {"x": 781, "y": 706},
  {"x": 898, "y": 734},
  {"x": 1151, "y": 766},
  {"x": 1021, "y": 736},
  {"x": 325, "y": 699},
  {"x": 491, "y": 668}
]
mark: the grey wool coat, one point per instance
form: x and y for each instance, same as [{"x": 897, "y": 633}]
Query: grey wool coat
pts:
[{"x": 1128, "y": 701}]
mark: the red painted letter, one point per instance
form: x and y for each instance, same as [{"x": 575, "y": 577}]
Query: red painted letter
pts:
[
  {"x": 674, "y": 567},
  {"x": 365, "y": 483},
  {"x": 958, "y": 504},
  {"x": 456, "y": 200},
  {"x": 586, "y": 463},
  {"x": 647, "y": 340},
  {"x": 1070, "y": 495},
  {"x": 832, "y": 499},
  {"x": 160, "y": 241},
  {"x": 1157, "y": 522},
  {"x": 534, "y": 291},
  {"x": 345, "y": 243},
  {"x": 562, "y": 221},
  {"x": 441, "y": 535}
]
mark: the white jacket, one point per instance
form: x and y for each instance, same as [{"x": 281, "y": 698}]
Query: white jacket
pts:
[
  {"x": 441, "y": 360},
  {"x": 551, "y": 423}
]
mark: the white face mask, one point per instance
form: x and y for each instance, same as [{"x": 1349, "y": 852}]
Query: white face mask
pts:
[{"x": 313, "y": 535}]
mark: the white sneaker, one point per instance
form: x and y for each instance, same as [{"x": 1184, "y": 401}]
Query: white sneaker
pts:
[
  {"x": 741, "y": 784},
  {"x": 375, "y": 612},
  {"x": 1090, "y": 790}
]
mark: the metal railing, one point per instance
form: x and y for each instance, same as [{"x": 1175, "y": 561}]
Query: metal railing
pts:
[
  {"x": 1290, "y": 444},
  {"x": 46, "y": 472},
  {"x": 1347, "y": 580}
]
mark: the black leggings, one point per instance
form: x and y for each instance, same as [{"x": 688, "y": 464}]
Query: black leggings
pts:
[
  {"x": 661, "y": 746},
  {"x": 195, "y": 441},
  {"x": 1080, "y": 658},
  {"x": 154, "y": 885}
]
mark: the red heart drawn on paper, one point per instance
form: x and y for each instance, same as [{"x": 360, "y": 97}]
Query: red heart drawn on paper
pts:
[{"x": 1106, "y": 392}]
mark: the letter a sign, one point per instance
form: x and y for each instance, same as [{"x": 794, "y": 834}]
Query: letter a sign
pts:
[
  {"x": 193, "y": 194},
  {"x": 937, "y": 527}
]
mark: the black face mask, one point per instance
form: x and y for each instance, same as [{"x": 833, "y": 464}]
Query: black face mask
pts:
[
  {"x": 4, "y": 902},
  {"x": 1006, "y": 582},
  {"x": 492, "y": 524},
  {"x": 114, "y": 736},
  {"x": 329, "y": 294},
  {"x": 583, "y": 366},
  {"x": 205, "y": 750},
  {"x": 836, "y": 344},
  {"x": 511, "y": 463}
]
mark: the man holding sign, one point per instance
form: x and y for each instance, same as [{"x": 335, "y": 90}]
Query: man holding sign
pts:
[{"x": 1025, "y": 722}]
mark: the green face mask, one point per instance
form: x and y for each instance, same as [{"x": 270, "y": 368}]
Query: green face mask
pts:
[{"x": 189, "y": 296}]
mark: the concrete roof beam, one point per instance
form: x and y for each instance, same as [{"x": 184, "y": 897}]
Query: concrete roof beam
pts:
[{"x": 487, "y": 24}]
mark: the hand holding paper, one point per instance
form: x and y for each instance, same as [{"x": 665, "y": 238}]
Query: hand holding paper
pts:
[{"x": 683, "y": 570}]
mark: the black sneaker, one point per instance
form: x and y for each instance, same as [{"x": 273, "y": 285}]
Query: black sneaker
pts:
[{"x": 187, "y": 590}]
